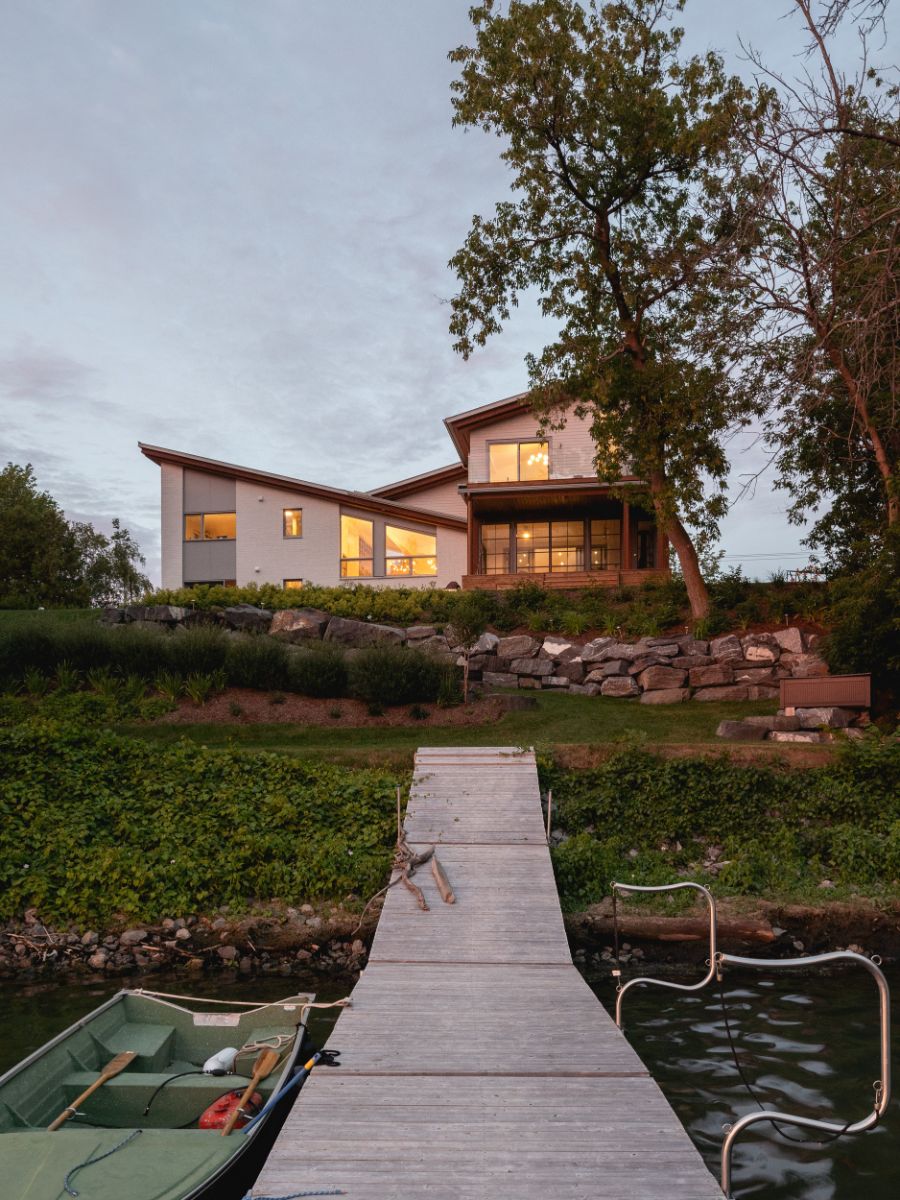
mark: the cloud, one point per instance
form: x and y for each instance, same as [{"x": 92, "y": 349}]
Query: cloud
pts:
[{"x": 32, "y": 372}]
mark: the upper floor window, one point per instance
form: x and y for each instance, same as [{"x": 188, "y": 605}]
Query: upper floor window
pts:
[
  {"x": 510, "y": 462},
  {"x": 292, "y": 522},
  {"x": 209, "y": 527},
  {"x": 357, "y": 548},
  {"x": 408, "y": 552}
]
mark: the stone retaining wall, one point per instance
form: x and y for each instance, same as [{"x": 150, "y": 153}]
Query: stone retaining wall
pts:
[{"x": 656, "y": 670}]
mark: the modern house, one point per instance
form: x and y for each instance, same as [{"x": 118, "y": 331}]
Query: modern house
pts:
[{"x": 517, "y": 504}]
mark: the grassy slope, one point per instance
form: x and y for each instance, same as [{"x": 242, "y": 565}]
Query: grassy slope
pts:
[
  {"x": 12, "y": 618},
  {"x": 557, "y": 721}
]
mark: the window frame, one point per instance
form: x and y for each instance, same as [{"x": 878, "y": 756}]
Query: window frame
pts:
[
  {"x": 342, "y": 561},
  {"x": 290, "y": 585},
  {"x": 202, "y": 539},
  {"x": 391, "y": 559},
  {"x": 291, "y": 537},
  {"x": 519, "y": 443}
]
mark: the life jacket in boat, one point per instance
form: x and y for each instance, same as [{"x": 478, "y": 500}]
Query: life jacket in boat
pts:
[{"x": 219, "y": 1112}]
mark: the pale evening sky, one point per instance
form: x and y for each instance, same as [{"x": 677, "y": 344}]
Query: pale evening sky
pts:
[{"x": 225, "y": 229}]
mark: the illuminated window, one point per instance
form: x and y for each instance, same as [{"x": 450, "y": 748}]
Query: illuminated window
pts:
[
  {"x": 292, "y": 522},
  {"x": 606, "y": 544},
  {"x": 293, "y": 584},
  {"x": 357, "y": 548},
  {"x": 510, "y": 462},
  {"x": 533, "y": 546},
  {"x": 495, "y": 549},
  {"x": 407, "y": 552},
  {"x": 209, "y": 527},
  {"x": 567, "y": 546}
]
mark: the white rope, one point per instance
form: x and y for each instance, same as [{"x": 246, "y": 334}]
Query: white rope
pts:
[{"x": 304, "y": 1008}]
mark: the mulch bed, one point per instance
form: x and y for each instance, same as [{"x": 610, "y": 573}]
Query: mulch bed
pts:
[{"x": 287, "y": 708}]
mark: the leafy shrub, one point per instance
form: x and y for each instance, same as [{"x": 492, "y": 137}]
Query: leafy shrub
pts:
[
  {"x": 169, "y": 685},
  {"x": 198, "y": 687},
  {"x": 320, "y": 671},
  {"x": 386, "y": 675},
  {"x": 92, "y": 825},
  {"x": 257, "y": 662}
]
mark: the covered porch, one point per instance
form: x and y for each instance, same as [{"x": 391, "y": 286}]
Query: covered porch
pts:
[{"x": 560, "y": 540}]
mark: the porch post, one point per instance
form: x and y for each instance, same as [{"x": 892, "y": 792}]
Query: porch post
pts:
[{"x": 625, "y": 554}]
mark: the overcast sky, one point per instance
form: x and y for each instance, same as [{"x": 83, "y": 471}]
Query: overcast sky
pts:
[{"x": 225, "y": 229}]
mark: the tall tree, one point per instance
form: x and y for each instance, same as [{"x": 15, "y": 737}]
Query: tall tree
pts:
[
  {"x": 823, "y": 280},
  {"x": 622, "y": 153},
  {"x": 48, "y": 561}
]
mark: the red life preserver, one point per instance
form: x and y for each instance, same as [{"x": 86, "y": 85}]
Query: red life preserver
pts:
[{"x": 219, "y": 1112}]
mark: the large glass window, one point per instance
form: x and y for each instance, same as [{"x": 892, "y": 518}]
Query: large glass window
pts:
[
  {"x": 567, "y": 546},
  {"x": 292, "y": 522},
  {"x": 408, "y": 552},
  {"x": 495, "y": 549},
  {"x": 357, "y": 548},
  {"x": 510, "y": 462},
  {"x": 533, "y": 546},
  {"x": 606, "y": 541},
  {"x": 209, "y": 527}
]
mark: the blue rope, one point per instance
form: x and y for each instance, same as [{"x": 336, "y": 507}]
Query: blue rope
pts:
[
  {"x": 100, "y": 1157},
  {"x": 297, "y": 1195}
]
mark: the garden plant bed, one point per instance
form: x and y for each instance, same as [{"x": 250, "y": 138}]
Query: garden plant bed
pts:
[{"x": 262, "y": 708}]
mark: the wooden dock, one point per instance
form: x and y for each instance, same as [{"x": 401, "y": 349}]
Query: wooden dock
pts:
[{"x": 477, "y": 1063}]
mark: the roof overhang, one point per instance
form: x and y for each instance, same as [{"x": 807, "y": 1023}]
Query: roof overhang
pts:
[
  {"x": 366, "y": 501},
  {"x": 461, "y": 425},
  {"x": 404, "y": 487}
]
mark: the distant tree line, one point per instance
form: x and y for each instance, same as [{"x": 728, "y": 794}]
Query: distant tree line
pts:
[{"x": 48, "y": 561}]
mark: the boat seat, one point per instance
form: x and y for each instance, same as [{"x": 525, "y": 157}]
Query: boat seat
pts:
[
  {"x": 122, "y": 1099},
  {"x": 153, "y": 1044}
]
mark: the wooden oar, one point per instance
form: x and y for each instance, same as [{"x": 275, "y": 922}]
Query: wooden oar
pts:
[
  {"x": 119, "y": 1063},
  {"x": 264, "y": 1065}
]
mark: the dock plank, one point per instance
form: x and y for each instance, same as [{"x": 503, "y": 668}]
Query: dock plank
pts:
[{"x": 477, "y": 1063}]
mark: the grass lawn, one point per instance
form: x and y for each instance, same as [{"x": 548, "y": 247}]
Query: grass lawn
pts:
[
  {"x": 556, "y": 722},
  {"x": 36, "y": 618}
]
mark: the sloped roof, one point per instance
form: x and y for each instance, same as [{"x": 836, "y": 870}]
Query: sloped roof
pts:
[
  {"x": 461, "y": 424},
  {"x": 367, "y": 501},
  {"x": 403, "y": 487}
]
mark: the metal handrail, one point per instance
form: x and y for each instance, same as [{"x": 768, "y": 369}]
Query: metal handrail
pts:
[
  {"x": 717, "y": 960},
  {"x": 621, "y": 989},
  {"x": 882, "y": 1086}
]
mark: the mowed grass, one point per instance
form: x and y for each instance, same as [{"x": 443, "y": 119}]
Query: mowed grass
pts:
[
  {"x": 43, "y": 618},
  {"x": 556, "y": 721}
]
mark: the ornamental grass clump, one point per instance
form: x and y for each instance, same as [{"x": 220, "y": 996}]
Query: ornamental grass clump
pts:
[
  {"x": 320, "y": 671},
  {"x": 255, "y": 661},
  {"x": 386, "y": 675}
]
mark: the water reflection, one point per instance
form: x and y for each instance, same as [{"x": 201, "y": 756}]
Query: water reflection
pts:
[{"x": 807, "y": 1045}]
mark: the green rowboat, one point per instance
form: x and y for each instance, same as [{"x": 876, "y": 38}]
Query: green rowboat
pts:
[{"x": 159, "y": 1154}]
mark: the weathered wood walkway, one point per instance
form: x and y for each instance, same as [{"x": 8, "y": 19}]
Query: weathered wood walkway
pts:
[{"x": 477, "y": 1063}]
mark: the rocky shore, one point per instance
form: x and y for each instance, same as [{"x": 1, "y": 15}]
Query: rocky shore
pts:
[{"x": 326, "y": 939}]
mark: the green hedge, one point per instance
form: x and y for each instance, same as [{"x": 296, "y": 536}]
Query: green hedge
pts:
[
  {"x": 93, "y": 825},
  {"x": 644, "y": 819}
]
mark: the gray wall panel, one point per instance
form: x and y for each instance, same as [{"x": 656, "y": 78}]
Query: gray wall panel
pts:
[
  {"x": 208, "y": 493},
  {"x": 209, "y": 560}
]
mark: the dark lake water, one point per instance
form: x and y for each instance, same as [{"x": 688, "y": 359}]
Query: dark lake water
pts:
[{"x": 808, "y": 1043}]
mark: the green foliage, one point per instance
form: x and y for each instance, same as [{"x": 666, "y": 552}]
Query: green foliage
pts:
[
  {"x": 258, "y": 662},
  {"x": 782, "y": 831},
  {"x": 47, "y": 560},
  {"x": 169, "y": 685},
  {"x": 320, "y": 670},
  {"x": 385, "y": 675},
  {"x": 93, "y": 825},
  {"x": 198, "y": 687}
]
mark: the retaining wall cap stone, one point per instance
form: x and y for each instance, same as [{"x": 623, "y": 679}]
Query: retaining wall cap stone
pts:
[
  {"x": 619, "y": 685},
  {"x": 722, "y": 693}
]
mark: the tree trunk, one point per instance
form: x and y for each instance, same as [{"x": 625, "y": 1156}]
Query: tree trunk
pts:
[{"x": 698, "y": 595}]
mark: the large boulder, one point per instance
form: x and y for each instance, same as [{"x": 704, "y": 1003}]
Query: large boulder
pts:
[
  {"x": 418, "y": 633},
  {"x": 531, "y": 666},
  {"x": 789, "y": 639},
  {"x": 299, "y": 624},
  {"x": 802, "y": 735},
  {"x": 783, "y": 724},
  {"x": 584, "y": 689},
  {"x": 808, "y": 666},
  {"x": 248, "y": 618},
  {"x": 741, "y": 731},
  {"x": 500, "y": 679},
  {"x": 815, "y": 718},
  {"x": 627, "y": 650},
  {"x": 695, "y": 646},
  {"x": 520, "y": 646},
  {"x": 714, "y": 676},
  {"x": 591, "y": 651},
  {"x": 753, "y": 673},
  {"x": 486, "y": 644},
  {"x": 606, "y": 670},
  {"x": 722, "y": 693},
  {"x": 437, "y": 645},
  {"x": 573, "y": 670},
  {"x": 167, "y": 614},
  {"x": 687, "y": 661},
  {"x": 666, "y": 696},
  {"x": 619, "y": 685},
  {"x": 655, "y": 679},
  {"x": 348, "y": 632},
  {"x": 761, "y": 648},
  {"x": 555, "y": 681},
  {"x": 560, "y": 650},
  {"x": 726, "y": 649},
  {"x": 645, "y": 661}
]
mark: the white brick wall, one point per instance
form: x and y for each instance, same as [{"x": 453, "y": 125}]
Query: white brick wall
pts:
[
  {"x": 440, "y": 497},
  {"x": 571, "y": 448},
  {"x": 171, "y": 522}
]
